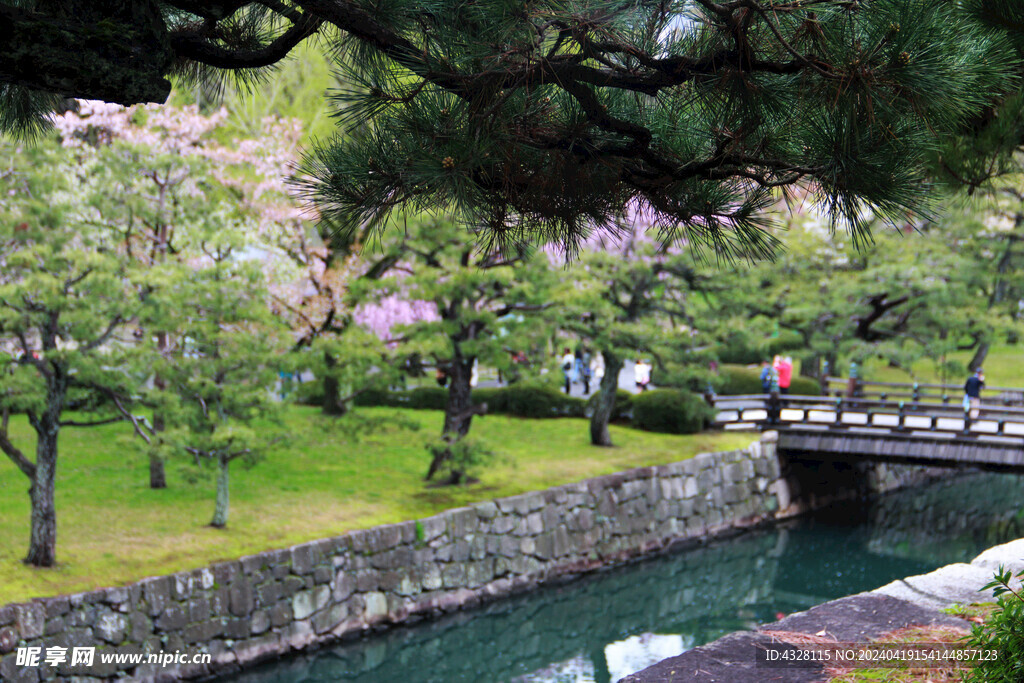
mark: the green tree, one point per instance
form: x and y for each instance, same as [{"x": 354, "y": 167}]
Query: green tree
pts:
[
  {"x": 478, "y": 306},
  {"x": 66, "y": 300},
  {"x": 628, "y": 298},
  {"x": 547, "y": 118},
  {"x": 918, "y": 292},
  {"x": 216, "y": 393}
]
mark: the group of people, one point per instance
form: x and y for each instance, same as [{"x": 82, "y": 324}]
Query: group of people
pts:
[
  {"x": 776, "y": 375},
  {"x": 581, "y": 366}
]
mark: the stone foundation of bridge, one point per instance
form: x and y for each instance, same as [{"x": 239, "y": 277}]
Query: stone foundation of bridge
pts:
[{"x": 809, "y": 482}]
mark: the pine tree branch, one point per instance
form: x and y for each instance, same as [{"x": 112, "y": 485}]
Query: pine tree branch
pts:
[
  {"x": 195, "y": 46},
  {"x": 13, "y": 452}
]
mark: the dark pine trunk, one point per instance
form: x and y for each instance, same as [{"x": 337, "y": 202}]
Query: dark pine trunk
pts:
[
  {"x": 333, "y": 405},
  {"x": 157, "y": 476},
  {"x": 458, "y": 414},
  {"x": 599, "y": 435},
  {"x": 42, "y": 548},
  {"x": 980, "y": 354}
]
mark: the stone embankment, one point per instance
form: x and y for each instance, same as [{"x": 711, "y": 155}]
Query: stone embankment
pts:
[
  {"x": 276, "y": 602},
  {"x": 913, "y": 601}
]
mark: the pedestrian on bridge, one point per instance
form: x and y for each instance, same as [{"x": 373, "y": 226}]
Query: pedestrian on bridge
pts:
[
  {"x": 784, "y": 369},
  {"x": 767, "y": 374},
  {"x": 972, "y": 388}
]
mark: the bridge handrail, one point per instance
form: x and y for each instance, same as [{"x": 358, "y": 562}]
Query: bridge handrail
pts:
[
  {"x": 773, "y": 405},
  {"x": 956, "y": 388},
  {"x": 867, "y": 403}
]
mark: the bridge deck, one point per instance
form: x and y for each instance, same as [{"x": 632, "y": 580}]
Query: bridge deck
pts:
[{"x": 925, "y": 433}]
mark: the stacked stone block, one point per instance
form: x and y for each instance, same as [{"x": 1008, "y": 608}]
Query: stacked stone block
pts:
[{"x": 288, "y": 600}]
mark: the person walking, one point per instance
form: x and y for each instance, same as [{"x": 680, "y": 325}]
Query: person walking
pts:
[
  {"x": 766, "y": 377},
  {"x": 785, "y": 370},
  {"x": 972, "y": 391},
  {"x": 568, "y": 361},
  {"x": 851, "y": 385},
  {"x": 642, "y": 374},
  {"x": 585, "y": 371}
]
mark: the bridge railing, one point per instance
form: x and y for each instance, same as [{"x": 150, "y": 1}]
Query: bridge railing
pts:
[
  {"x": 920, "y": 391},
  {"x": 865, "y": 415}
]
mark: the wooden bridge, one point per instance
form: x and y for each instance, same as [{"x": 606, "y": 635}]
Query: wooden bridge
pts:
[{"x": 926, "y": 432}]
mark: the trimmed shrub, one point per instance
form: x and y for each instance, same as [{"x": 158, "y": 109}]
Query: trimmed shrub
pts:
[
  {"x": 380, "y": 397},
  {"x": 529, "y": 399},
  {"x": 670, "y": 411},
  {"x": 309, "y": 393},
  {"x": 427, "y": 398},
  {"x": 622, "y": 410},
  {"x": 736, "y": 379},
  {"x": 691, "y": 377},
  {"x": 494, "y": 397},
  {"x": 805, "y": 386}
]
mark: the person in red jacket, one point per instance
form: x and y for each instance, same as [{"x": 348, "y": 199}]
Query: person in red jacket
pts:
[{"x": 784, "y": 367}]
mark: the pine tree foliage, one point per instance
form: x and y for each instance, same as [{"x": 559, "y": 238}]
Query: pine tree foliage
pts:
[{"x": 548, "y": 119}]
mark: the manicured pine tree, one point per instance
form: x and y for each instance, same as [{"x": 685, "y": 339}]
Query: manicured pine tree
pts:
[
  {"x": 628, "y": 297},
  {"x": 472, "y": 306},
  {"x": 66, "y": 301},
  {"x": 218, "y": 380},
  {"x": 545, "y": 119}
]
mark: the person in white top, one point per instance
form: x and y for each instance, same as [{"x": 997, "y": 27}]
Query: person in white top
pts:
[
  {"x": 568, "y": 363},
  {"x": 642, "y": 374}
]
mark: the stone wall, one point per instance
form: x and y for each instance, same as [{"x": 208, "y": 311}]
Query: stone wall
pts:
[{"x": 277, "y": 602}]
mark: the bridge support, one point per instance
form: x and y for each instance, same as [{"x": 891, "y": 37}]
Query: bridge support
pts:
[{"x": 814, "y": 479}]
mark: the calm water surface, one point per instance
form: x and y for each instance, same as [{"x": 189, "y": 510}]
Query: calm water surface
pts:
[{"x": 610, "y": 624}]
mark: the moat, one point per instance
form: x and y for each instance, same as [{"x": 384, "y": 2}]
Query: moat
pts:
[{"x": 607, "y": 625}]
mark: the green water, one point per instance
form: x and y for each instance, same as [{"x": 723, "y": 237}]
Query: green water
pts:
[{"x": 605, "y": 626}]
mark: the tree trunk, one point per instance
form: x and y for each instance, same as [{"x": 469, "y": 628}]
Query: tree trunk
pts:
[
  {"x": 157, "y": 476},
  {"x": 42, "y": 549},
  {"x": 220, "y": 512},
  {"x": 599, "y": 435},
  {"x": 458, "y": 414},
  {"x": 333, "y": 405},
  {"x": 811, "y": 366},
  {"x": 980, "y": 354}
]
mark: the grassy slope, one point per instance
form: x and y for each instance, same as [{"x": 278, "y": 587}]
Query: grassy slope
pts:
[
  {"x": 1003, "y": 368},
  {"x": 113, "y": 529}
]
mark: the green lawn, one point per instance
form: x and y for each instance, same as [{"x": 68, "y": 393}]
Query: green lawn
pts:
[
  {"x": 1004, "y": 367},
  {"x": 112, "y": 529}
]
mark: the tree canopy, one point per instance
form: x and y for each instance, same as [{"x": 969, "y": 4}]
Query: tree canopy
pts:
[{"x": 547, "y": 119}]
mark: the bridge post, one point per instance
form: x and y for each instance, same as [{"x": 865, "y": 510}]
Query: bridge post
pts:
[
  {"x": 916, "y": 395},
  {"x": 967, "y": 420},
  {"x": 774, "y": 408},
  {"x": 839, "y": 411},
  {"x": 900, "y": 426}
]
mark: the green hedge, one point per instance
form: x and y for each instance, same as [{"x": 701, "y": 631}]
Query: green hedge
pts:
[
  {"x": 427, "y": 398},
  {"x": 670, "y": 411},
  {"x": 528, "y": 399},
  {"x": 623, "y": 408},
  {"x": 735, "y": 380}
]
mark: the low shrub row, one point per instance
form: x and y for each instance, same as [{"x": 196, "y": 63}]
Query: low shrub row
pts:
[
  {"x": 736, "y": 379},
  {"x": 672, "y": 411}
]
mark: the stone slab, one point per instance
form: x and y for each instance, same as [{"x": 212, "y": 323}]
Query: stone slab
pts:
[
  {"x": 1010, "y": 555},
  {"x": 861, "y": 617},
  {"x": 730, "y": 659}
]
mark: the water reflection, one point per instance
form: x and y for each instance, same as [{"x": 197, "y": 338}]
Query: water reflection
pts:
[{"x": 606, "y": 626}]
